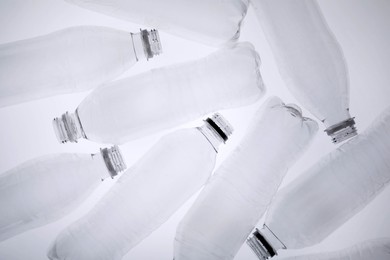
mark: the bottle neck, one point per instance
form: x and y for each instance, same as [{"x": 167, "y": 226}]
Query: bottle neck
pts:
[
  {"x": 146, "y": 44},
  {"x": 216, "y": 130},
  {"x": 113, "y": 161},
  {"x": 68, "y": 128},
  {"x": 264, "y": 243}
]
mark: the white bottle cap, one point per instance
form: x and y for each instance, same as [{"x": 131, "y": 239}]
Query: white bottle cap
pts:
[
  {"x": 68, "y": 128},
  {"x": 151, "y": 43},
  {"x": 220, "y": 125},
  {"x": 113, "y": 160},
  {"x": 342, "y": 131}
]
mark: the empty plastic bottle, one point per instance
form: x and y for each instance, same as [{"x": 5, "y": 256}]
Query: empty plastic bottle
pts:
[
  {"x": 375, "y": 249},
  {"x": 47, "y": 188},
  {"x": 209, "y": 21},
  {"x": 239, "y": 192},
  {"x": 162, "y": 98},
  {"x": 146, "y": 195},
  {"x": 310, "y": 61},
  {"x": 70, "y": 60},
  {"x": 329, "y": 193}
]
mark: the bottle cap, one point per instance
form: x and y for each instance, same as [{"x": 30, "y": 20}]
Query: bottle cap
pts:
[
  {"x": 342, "y": 131},
  {"x": 220, "y": 125},
  {"x": 151, "y": 43},
  {"x": 68, "y": 128},
  {"x": 113, "y": 160}
]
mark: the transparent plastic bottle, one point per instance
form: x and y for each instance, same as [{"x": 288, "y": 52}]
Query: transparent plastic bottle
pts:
[
  {"x": 47, "y": 188},
  {"x": 162, "y": 98},
  {"x": 329, "y": 193},
  {"x": 209, "y": 21},
  {"x": 70, "y": 60},
  {"x": 310, "y": 61},
  {"x": 375, "y": 249},
  {"x": 146, "y": 195},
  {"x": 239, "y": 192}
]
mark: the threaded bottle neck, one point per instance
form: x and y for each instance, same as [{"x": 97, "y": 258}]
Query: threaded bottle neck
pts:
[
  {"x": 68, "y": 128},
  {"x": 216, "y": 130},
  {"x": 146, "y": 44},
  {"x": 342, "y": 131},
  {"x": 113, "y": 159},
  {"x": 264, "y": 243}
]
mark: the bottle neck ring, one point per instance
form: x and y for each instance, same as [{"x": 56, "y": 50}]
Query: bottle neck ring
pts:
[{"x": 342, "y": 131}]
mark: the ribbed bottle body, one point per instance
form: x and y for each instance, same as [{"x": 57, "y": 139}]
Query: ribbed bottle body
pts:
[
  {"x": 144, "y": 197},
  {"x": 162, "y": 98},
  {"x": 334, "y": 189},
  {"x": 69, "y": 60},
  {"x": 239, "y": 192},
  {"x": 378, "y": 249},
  {"x": 46, "y": 188},
  {"x": 308, "y": 56},
  {"x": 209, "y": 21}
]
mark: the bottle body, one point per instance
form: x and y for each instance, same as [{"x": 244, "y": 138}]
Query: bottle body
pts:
[
  {"x": 143, "y": 199},
  {"x": 378, "y": 249},
  {"x": 209, "y": 21},
  {"x": 334, "y": 189},
  {"x": 46, "y": 188},
  {"x": 239, "y": 192},
  {"x": 70, "y": 60},
  {"x": 162, "y": 98},
  {"x": 310, "y": 61}
]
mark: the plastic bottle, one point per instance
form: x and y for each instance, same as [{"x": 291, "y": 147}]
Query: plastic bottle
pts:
[
  {"x": 146, "y": 195},
  {"x": 163, "y": 98},
  {"x": 208, "y": 21},
  {"x": 70, "y": 60},
  {"x": 375, "y": 249},
  {"x": 310, "y": 61},
  {"x": 329, "y": 193},
  {"x": 239, "y": 192},
  {"x": 47, "y": 188}
]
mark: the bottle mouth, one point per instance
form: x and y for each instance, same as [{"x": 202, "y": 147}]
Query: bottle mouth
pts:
[
  {"x": 151, "y": 43},
  {"x": 113, "y": 159},
  {"x": 220, "y": 125},
  {"x": 342, "y": 131},
  {"x": 68, "y": 128}
]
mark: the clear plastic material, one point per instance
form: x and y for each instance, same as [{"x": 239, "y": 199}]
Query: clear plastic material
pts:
[
  {"x": 209, "y": 21},
  {"x": 47, "y": 188},
  {"x": 310, "y": 61},
  {"x": 163, "y": 98},
  {"x": 145, "y": 196},
  {"x": 333, "y": 190},
  {"x": 69, "y": 60},
  {"x": 376, "y": 249},
  {"x": 239, "y": 192}
]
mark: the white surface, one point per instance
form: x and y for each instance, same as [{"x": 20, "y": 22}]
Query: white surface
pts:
[{"x": 26, "y": 132}]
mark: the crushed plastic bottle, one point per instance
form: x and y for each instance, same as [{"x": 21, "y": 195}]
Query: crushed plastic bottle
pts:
[
  {"x": 162, "y": 98},
  {"x": 310, "y": 61},
  {"x": 213, "y": 22},
  {"x": 70, "y": 60},
  {"x": 47, "y": 188}
]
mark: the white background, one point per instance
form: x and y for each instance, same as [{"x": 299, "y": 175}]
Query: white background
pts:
[{"x": 362, "y": 28}]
